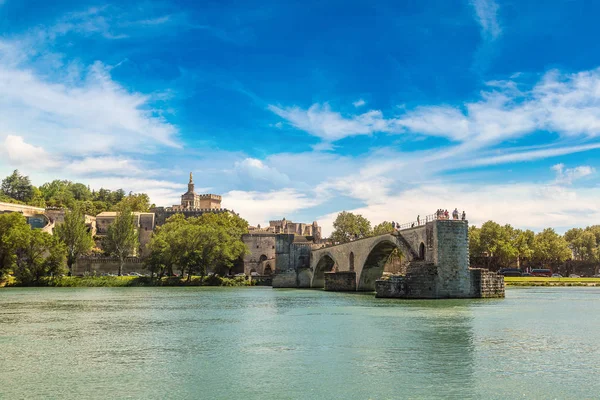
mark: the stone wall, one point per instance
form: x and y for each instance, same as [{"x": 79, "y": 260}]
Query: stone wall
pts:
[
  {"x": 344, "y": 281},
  {"x": 261, "y": 254},
  {"x": 107, "y": 265},
  {"x": 486, "y": 284},
  {"x": 290, "y": 259}
]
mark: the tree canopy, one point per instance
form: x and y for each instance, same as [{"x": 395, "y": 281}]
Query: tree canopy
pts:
[
  {"x": 122, "y": 237},
  {"x": 348, "y": 226},
  {"x": 30, "y": 254},
  {"x": 194, "y": 245},
  {"x": 511, "y": 246},
  {"x": 17, "y": 188},
  {"x": 383, "y": 228},
  {"x": 74, "y": 234}
]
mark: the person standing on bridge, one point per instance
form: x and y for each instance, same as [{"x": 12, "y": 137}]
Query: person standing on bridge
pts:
[
  {"x": 455, "y": 213},
  {"x": 464, "y": 215},
  {"x": 418, "y": 220}
]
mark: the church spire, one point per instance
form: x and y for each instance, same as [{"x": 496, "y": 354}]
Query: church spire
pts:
[{"x": 191, "y": 184}]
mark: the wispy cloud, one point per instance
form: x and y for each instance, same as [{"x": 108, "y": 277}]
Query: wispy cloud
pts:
[
  {"x": 320, "y": 121},
  {"x": 486, "y": 12},
  {"x": 567, "y": 104},
  {"x": 568, "y": 175},
  {"x": 531, "y": 155},
  {"x": 359, "y": 103}
]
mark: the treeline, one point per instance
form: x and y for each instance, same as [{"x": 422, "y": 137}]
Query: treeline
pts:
[
  {"x": 507, "y": 246},
  {"x": 17, "y": 188}
]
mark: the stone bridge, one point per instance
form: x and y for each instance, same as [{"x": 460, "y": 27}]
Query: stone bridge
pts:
[{"x": 435, "y": 256}]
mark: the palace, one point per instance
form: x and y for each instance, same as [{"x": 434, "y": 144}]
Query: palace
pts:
[
  {"x": 192, "y": 205},
  {"x": 191, "y": 200}
]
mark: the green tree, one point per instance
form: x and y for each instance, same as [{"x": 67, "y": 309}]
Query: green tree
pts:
[
  {"x": 38, "y": 255},
  {"x": 196, "y": 245},
  {"x": 383, "y": 228},
  {"x": 18, "y": 187},
  {"x": 550, "y": 249},
  {"x": 75, "y": 236},
  {"x": 139, "y": 202},
  {"x": 348, "y": 226},
  {"x": 37, "y": 199},
  {"x": 495, "y": 240},
  {"x": 13, "y": 232},
  {"x": 122, "y": 237},
  {"x": 523, "y": 242}
]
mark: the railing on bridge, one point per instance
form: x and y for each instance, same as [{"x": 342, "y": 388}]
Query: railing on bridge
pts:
[{"x": 420, "y": 221}]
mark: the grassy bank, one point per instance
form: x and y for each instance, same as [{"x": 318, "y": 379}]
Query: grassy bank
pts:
[
  {"x": 133, "y": 281},
  {"x": 541, "y": 281}
]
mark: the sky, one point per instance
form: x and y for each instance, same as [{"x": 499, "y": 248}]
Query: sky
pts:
[{"x": 303, "y": 109}]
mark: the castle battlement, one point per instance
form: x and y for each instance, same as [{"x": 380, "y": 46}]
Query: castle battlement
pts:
[
  {"x": 210, "y": 196},
  {"x": 179, "y": 209}
]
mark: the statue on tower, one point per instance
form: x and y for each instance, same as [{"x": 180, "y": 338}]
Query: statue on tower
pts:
[{"x": 191, "y": 179}]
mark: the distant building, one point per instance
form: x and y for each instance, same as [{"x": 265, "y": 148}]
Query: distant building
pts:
[
  {"x": 261, "y": 242},
  {"x": 191, "y": 200},
  {"x": 192, "y": 205},
  {"x": 144, "y": 223},
  {"x": 289, "y": 227}
]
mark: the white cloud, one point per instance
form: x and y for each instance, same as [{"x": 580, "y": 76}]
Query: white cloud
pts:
[
  {"x": 20, "y": 153},
  {"x": 104, "y": 165},
  {"x": 161, "y": 192},
  {"x": 256, "y": 172},
  {"x": 568, "y": 175},
  {"x": 328, "y": 125},
  {"x": 260, "y": 207},
  {"x": 91, "y": 115},
  {"x": 359, "y": 103},
  {"x": 487, "y": 16},
  {"x": 566, "y": 104},
  {"x": 530, "y": 155}
]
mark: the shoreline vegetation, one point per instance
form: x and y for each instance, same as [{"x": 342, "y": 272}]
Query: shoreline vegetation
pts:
[
  {"x": 213, "y": 280},
  {"x": 131, "y": 281},
  {"x": 543, "y": 281}
]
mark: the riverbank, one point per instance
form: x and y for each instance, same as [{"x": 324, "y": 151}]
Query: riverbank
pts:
[
  {"x": 132, "y": 281},
  {"x": 542, "y": 281}
]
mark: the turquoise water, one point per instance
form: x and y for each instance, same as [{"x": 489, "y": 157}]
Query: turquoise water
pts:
[{"x": 260, "y": 343}]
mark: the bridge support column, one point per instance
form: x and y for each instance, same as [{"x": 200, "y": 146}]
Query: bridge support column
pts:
[{"x": 344, "y": 281}]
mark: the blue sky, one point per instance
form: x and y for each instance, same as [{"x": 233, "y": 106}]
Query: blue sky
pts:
[{"x": 304, "y": 109}]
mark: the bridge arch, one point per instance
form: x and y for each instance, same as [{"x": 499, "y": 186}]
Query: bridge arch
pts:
[
  {"x": 372, "y": 268},
  {"x": 325, "y": 264}
]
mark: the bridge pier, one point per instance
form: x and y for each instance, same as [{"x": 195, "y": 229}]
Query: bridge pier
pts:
[{"x": 344, "y": 281}]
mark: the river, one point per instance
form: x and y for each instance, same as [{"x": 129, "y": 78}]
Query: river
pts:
[{"x": 260, "y": 343}]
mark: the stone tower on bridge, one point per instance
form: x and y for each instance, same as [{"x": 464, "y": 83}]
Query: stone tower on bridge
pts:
[{"x": 435, "y": 254}]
